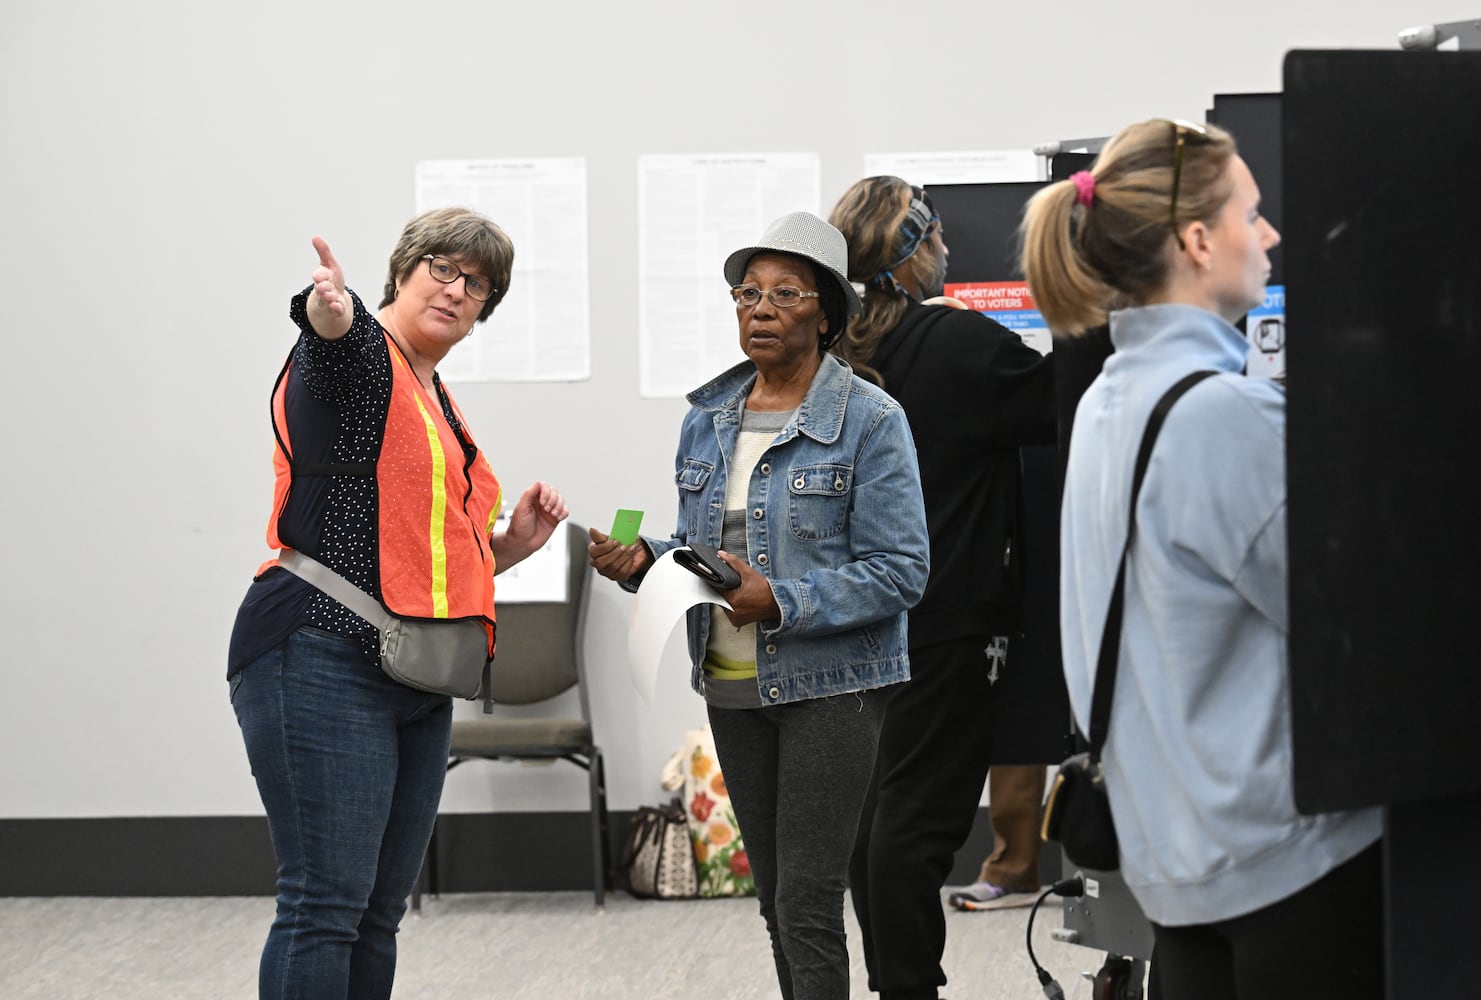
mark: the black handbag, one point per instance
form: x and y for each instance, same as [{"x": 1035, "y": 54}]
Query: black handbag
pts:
[
  {"x": 660, "y": 856},
  {"x": 1077, "y": 814}
]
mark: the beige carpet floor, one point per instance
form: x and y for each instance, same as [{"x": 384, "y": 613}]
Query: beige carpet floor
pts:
[{"x": 506, "y": 945}]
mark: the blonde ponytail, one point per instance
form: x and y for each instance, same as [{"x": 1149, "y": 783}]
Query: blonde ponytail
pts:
[
  {"x": 1069, "y": 292},
  {"x": 1086, "y": 253}
]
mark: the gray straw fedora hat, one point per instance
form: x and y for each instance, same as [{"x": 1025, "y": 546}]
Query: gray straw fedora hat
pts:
[{"x": 805, "y": 235}]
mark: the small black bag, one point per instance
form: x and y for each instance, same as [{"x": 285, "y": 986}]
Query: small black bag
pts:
[{"x": 1077, "y": 814}]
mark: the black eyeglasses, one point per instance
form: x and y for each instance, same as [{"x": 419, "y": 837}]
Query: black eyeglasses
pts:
[
  {"x": 782, "y": 296},
  {"x": 1181, "y": 130},
  {"x": 447, "y": 272}
]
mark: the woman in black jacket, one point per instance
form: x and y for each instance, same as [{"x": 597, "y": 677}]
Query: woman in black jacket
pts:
[{"x": 973, "y": 392}]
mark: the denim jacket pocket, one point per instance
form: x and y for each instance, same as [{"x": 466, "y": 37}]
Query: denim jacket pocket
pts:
[
  {"x": 818, "y": 500},
  {"x": 691, "y": 479}
]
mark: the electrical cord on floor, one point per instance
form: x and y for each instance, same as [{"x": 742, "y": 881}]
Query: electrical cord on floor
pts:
[{"x": 1066, "y": 888}]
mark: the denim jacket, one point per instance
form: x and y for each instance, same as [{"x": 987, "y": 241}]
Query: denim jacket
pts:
[{"x": 837, "y": 526}]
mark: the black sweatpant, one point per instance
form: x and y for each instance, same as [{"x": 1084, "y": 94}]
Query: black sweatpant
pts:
[
  {"x": 796, "y": 774},
  {"x": 929, "y": 772},
  {"x": 1324, "y": 941}
]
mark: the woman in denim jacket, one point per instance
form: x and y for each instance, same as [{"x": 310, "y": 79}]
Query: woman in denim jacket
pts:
[{"x": 805, "y": 476}]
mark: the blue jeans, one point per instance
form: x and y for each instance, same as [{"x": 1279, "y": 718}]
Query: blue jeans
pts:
[{"x": 350, "y": 766}]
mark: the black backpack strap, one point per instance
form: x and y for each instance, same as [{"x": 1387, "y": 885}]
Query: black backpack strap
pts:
[{"x": 1110, "y": 639}]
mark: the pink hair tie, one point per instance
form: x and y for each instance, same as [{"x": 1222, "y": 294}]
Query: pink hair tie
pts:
[{"x": 1085, "y": 184}]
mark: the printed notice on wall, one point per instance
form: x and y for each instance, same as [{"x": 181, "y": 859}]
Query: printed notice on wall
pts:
[
  {"x": 979, "y": 167},
  {"x": 693, "y": 212},
  {"x": 541, "y": 331},
  {"x": 1265, "y": 329},
  {"x": 1008, "y": 302}
]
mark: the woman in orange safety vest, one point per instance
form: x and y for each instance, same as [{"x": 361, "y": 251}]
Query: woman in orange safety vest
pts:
[{"x": 378, "y": 478}]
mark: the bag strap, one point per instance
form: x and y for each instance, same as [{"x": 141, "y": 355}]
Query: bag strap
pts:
[
  {"x": 1110, "y": 639},
  {"x": 336, "y": 586}
]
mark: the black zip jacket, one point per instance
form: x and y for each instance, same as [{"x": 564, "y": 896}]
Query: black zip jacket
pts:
[{"x": 973, "y": 392}]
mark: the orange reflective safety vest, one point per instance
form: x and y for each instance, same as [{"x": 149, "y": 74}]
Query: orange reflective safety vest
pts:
[{"x": 437, "y": 501}]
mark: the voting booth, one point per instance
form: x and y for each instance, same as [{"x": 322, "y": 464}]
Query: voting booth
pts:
[{"x": 1382, "y": 207}]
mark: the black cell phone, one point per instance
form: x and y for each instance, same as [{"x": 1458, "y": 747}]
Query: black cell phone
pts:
[{"x": 704, "y": 561}]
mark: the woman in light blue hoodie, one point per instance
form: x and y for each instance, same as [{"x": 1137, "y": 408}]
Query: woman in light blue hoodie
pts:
[{"x": 1247, "y": 897}]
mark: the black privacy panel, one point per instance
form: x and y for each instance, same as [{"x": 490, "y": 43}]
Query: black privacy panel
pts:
[
  {"x": 1382, "y": 212},
  {"x": 981, "y": 226}
]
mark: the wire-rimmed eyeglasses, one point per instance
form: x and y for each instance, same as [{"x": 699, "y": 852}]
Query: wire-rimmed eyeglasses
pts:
[{"x": 782, "y": 296}]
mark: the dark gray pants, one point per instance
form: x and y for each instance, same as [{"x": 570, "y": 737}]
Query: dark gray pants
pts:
[{"x": 797, "y": 775}]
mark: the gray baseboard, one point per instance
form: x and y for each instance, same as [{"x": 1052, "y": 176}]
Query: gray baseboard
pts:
[
  {"x": 232, "y": 856},
  {"x": 136, "y": 856}
]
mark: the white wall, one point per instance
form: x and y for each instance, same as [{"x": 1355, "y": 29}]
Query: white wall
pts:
[{"x": 166, "y": 162}]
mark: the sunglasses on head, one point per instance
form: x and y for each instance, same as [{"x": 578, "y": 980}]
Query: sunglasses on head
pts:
[{"x": 1181, "y": 130}]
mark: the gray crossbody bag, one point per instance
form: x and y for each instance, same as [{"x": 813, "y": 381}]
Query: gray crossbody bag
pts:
[{"x": 443, "y": 657}]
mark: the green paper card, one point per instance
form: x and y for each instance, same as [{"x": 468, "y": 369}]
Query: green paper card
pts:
[{"x": 625, "y": 526}]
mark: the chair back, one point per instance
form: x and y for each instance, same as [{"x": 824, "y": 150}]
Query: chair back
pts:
[{"x": 539, "y": 652}]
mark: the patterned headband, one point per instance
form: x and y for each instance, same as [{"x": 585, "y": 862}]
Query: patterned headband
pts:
[{"x": 916, "y": 225}]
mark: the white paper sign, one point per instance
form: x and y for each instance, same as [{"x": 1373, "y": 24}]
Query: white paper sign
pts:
[
  {"x": 979, "y": 167},
  {"x": 693, "y": 212},
  {"x": 541, "y": 578},
  {"x": 541, "y": 331}
]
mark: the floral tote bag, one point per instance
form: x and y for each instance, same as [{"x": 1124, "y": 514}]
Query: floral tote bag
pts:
[{"x": 719, "y": 852}]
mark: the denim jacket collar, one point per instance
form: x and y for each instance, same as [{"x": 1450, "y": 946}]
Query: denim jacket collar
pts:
[{"x": 820, "y": 416}]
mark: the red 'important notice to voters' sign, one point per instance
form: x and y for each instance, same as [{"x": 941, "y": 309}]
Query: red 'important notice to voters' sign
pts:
[
  {"x": 993, "y": 296},
  {"x": 1008, "y": 302}
]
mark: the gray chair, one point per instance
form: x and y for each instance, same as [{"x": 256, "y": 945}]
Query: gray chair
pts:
[{"x": 540, "y": 656}]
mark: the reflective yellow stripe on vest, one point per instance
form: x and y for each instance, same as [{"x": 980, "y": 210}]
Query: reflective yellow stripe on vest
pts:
[{"x": 436, "y": 539}]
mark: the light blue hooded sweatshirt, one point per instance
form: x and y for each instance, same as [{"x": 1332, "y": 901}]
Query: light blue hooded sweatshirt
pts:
[{"x": 1198, "y": 755}]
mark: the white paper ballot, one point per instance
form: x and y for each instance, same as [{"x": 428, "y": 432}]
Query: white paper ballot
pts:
[{"x": 667, "y": 592}]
